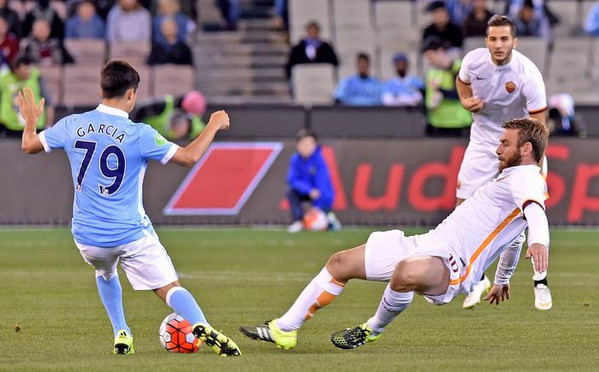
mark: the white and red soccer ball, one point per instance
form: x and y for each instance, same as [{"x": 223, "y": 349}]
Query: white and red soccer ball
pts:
[
  {"x": 315, "y": 220},
  {"x": 176, "y": 335}
]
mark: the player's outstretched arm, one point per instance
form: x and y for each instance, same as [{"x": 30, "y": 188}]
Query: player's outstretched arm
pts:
[
  {"x": 538, "y": 236},
  {"x": 31, "y": 112},
  {"x": 468, "y": 101},
  {"x": 191, "y": 154}
]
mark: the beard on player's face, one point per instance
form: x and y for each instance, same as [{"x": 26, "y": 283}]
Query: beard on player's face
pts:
[{"x": 510, "y": 160}]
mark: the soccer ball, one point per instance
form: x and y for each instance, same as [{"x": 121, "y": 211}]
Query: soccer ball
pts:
[
  {"x": 315, "y": 220},
  {"x": 176, "y": 335}
]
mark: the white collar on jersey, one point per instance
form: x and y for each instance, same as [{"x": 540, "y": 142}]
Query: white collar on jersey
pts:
[
  {"x": 112, "y": 111},
  {"x": 511, "y": 169}
]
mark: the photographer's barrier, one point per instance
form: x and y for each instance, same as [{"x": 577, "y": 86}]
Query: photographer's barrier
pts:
[{"x": 399, "y": 182}]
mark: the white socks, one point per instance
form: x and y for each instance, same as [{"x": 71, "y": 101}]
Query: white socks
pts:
[
  {"x": 392, "y": 304},
  {"x": 321, "y": 291}
]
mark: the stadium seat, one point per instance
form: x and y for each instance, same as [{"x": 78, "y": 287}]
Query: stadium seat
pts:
[
  {"x": 53, "y": 78},
  {"x": 173, "y": 79},
  {"x": 595, "y": 60},
  {"x": 535, "y": 49},
  {"x": 303, "y": 11},
  {"x": 352, "y": 13},
  {"x": 423, "y": 19},
  {"x": 313, "y": 84},
  {"x": 473, "y": 42},
  {"x": 134, "y": 53},
  {"x": 81, "y": 86},
  {"x": 349, "y": 43},
  {"x": 146, "y": 83},
  {"x": 89, "y": 52},
  {"x": 396, "y": 15},
  {"x": 563, "y": 66},
  {"x": 567, "y": 12}
]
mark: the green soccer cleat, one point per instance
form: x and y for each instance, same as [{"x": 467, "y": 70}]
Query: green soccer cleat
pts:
[
  {"x": 123, "y": 343},
  {"x": 351, "y": 338},
  {"x": 221, "y": 344},
  {"x": 269, "y": 332}
]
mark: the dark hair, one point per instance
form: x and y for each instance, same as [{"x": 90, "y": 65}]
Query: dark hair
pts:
[
  {"x": 21, "y": 60},
  {"x": 116, "y": 78},
  {"x": 313, "y": 24},
  {"x": 499, "y": 21},
  {"x": 306, "y": 132},
  {"x": 363, "y": 56},
  {"x": 530, "y": 130}
]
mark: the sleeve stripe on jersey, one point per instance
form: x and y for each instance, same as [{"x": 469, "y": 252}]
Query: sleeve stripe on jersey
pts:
[
  {"x": 537, "y": 111},
  {"x": 485, "y": 244},
  {"x": 42, "y": 137},
  {"x": 530, "y": 201},
  {"x": 171, "y": 152},
  {"x": 463, "y": 82}
]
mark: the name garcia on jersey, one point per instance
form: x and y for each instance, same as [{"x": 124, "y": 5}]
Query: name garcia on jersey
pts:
[{"x": 108, "y": 130}]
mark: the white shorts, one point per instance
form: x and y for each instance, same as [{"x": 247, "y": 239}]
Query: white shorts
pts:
[
  {"x": 145, "y": 262},
  {"x": 480, "y": 166},
  {"x": 385, "y": 249}
]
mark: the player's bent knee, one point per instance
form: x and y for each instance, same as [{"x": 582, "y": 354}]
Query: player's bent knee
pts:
[
  {"x": 335, "y": 264},
  {"x": 404, "y": 278}
]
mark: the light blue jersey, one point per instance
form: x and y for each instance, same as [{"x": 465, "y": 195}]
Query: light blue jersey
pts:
[
  {"x": 358, "y": 91},
  {"x": 108, "y": 155}
]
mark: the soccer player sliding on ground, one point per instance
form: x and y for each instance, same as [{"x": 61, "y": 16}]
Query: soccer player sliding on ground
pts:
[
  {"x": 108, "y": 154},
  {"x": 445, "y": 261}
]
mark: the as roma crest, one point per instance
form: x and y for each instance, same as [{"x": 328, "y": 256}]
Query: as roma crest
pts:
[{"x": 510, "y": 87}]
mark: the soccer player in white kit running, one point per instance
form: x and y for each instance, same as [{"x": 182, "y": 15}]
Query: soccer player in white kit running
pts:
[
  {"x": 445, "y": 261},
  {"x": 109, "y": 155},
  {"x": 497, "y": 83}
]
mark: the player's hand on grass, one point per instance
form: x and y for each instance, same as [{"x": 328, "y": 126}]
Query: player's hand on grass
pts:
[
  {"x": 498, "y": 293},
  {"x": 219, "y": 119},
  {"x": 473, "y": 104},
  {"x": 30, "y": 110},
  {"x": 539, "y": 255}
]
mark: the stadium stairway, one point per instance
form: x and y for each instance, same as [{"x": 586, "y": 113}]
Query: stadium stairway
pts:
[{"x": 243, "y": 66}]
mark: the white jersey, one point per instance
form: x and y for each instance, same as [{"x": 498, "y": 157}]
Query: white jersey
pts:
[
  {"x": 479, "y": 229},
  {"x": 510, "y": 91}
]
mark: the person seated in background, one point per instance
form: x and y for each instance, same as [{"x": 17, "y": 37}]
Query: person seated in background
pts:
[
  {"x": 445, "y": 114},
  {"x": 230, "y": 11},
  {"x": 311, "y": 49},
  {"x": 591, "y": 25},
  {"x": 43, "y": 10},
  {"x": 9, "y": 45},
  {"x": 403, "y": 90},
  {"x": 44, "y": 50},
  {"x": 170, "y": 9},
  {"x": 85, "y": 23},
  {"x": 175, "y": 118},
  {"x": 172, "y": 49},
  {"x": 458, "y": 10},
  {"x": 442, "y": 27},
  {"x": 529, "y": 23},
  {"x": 309, "y": 180},
  {"x": 12, "y": 18},
  {"x": 475, "y": 23},
  {"x": 129, "y": 21},
  {"x": 281, "y": 11},
  {"x": 22, "y": 74},
  {"x": 360, "y": 89}
]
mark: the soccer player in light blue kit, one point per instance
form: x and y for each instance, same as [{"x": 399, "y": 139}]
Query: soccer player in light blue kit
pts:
[{"x": 109, "y": 155}]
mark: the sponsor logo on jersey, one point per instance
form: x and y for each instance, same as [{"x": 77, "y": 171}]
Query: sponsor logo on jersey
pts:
[{"x": 160, "y": 141}]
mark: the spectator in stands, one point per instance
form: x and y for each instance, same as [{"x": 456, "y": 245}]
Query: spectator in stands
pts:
[
  {"x": 309, "y": 180},
  {"x": 404, "y": 90},
  {"x": 12, "y": 18},
  {"x": 172, "y": 49},
  {"x": 85, "y": 23},
  {"x": 129, "y": 21},
  {"x": 361, "y": 89},
  {"x": 230, "y": 10},
  {"x": 174, "y": 117},
  {"x": 311, "y": 49},
  {"x": 170, "y": 9},
  {"x": 591, "y": 25},
  {"x": 475, "y": 23},
  {"x": 441, "y": 26},
  {"x": 43, "y": 10},
  {"x": 458, "y": 10},
  {"x": 541, "y": 10},
  {"x": 22, "y": 74},
  {"x": 9, "y": 44},
  {"x": 529, "y": 23},
  {"x": 42, "y": 49},
  {"x": 281, "y": 14},
  {"x": 445, "y": 114}
]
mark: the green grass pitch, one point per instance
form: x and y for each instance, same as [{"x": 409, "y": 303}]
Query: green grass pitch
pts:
[{"x": 242, "y": 276}]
